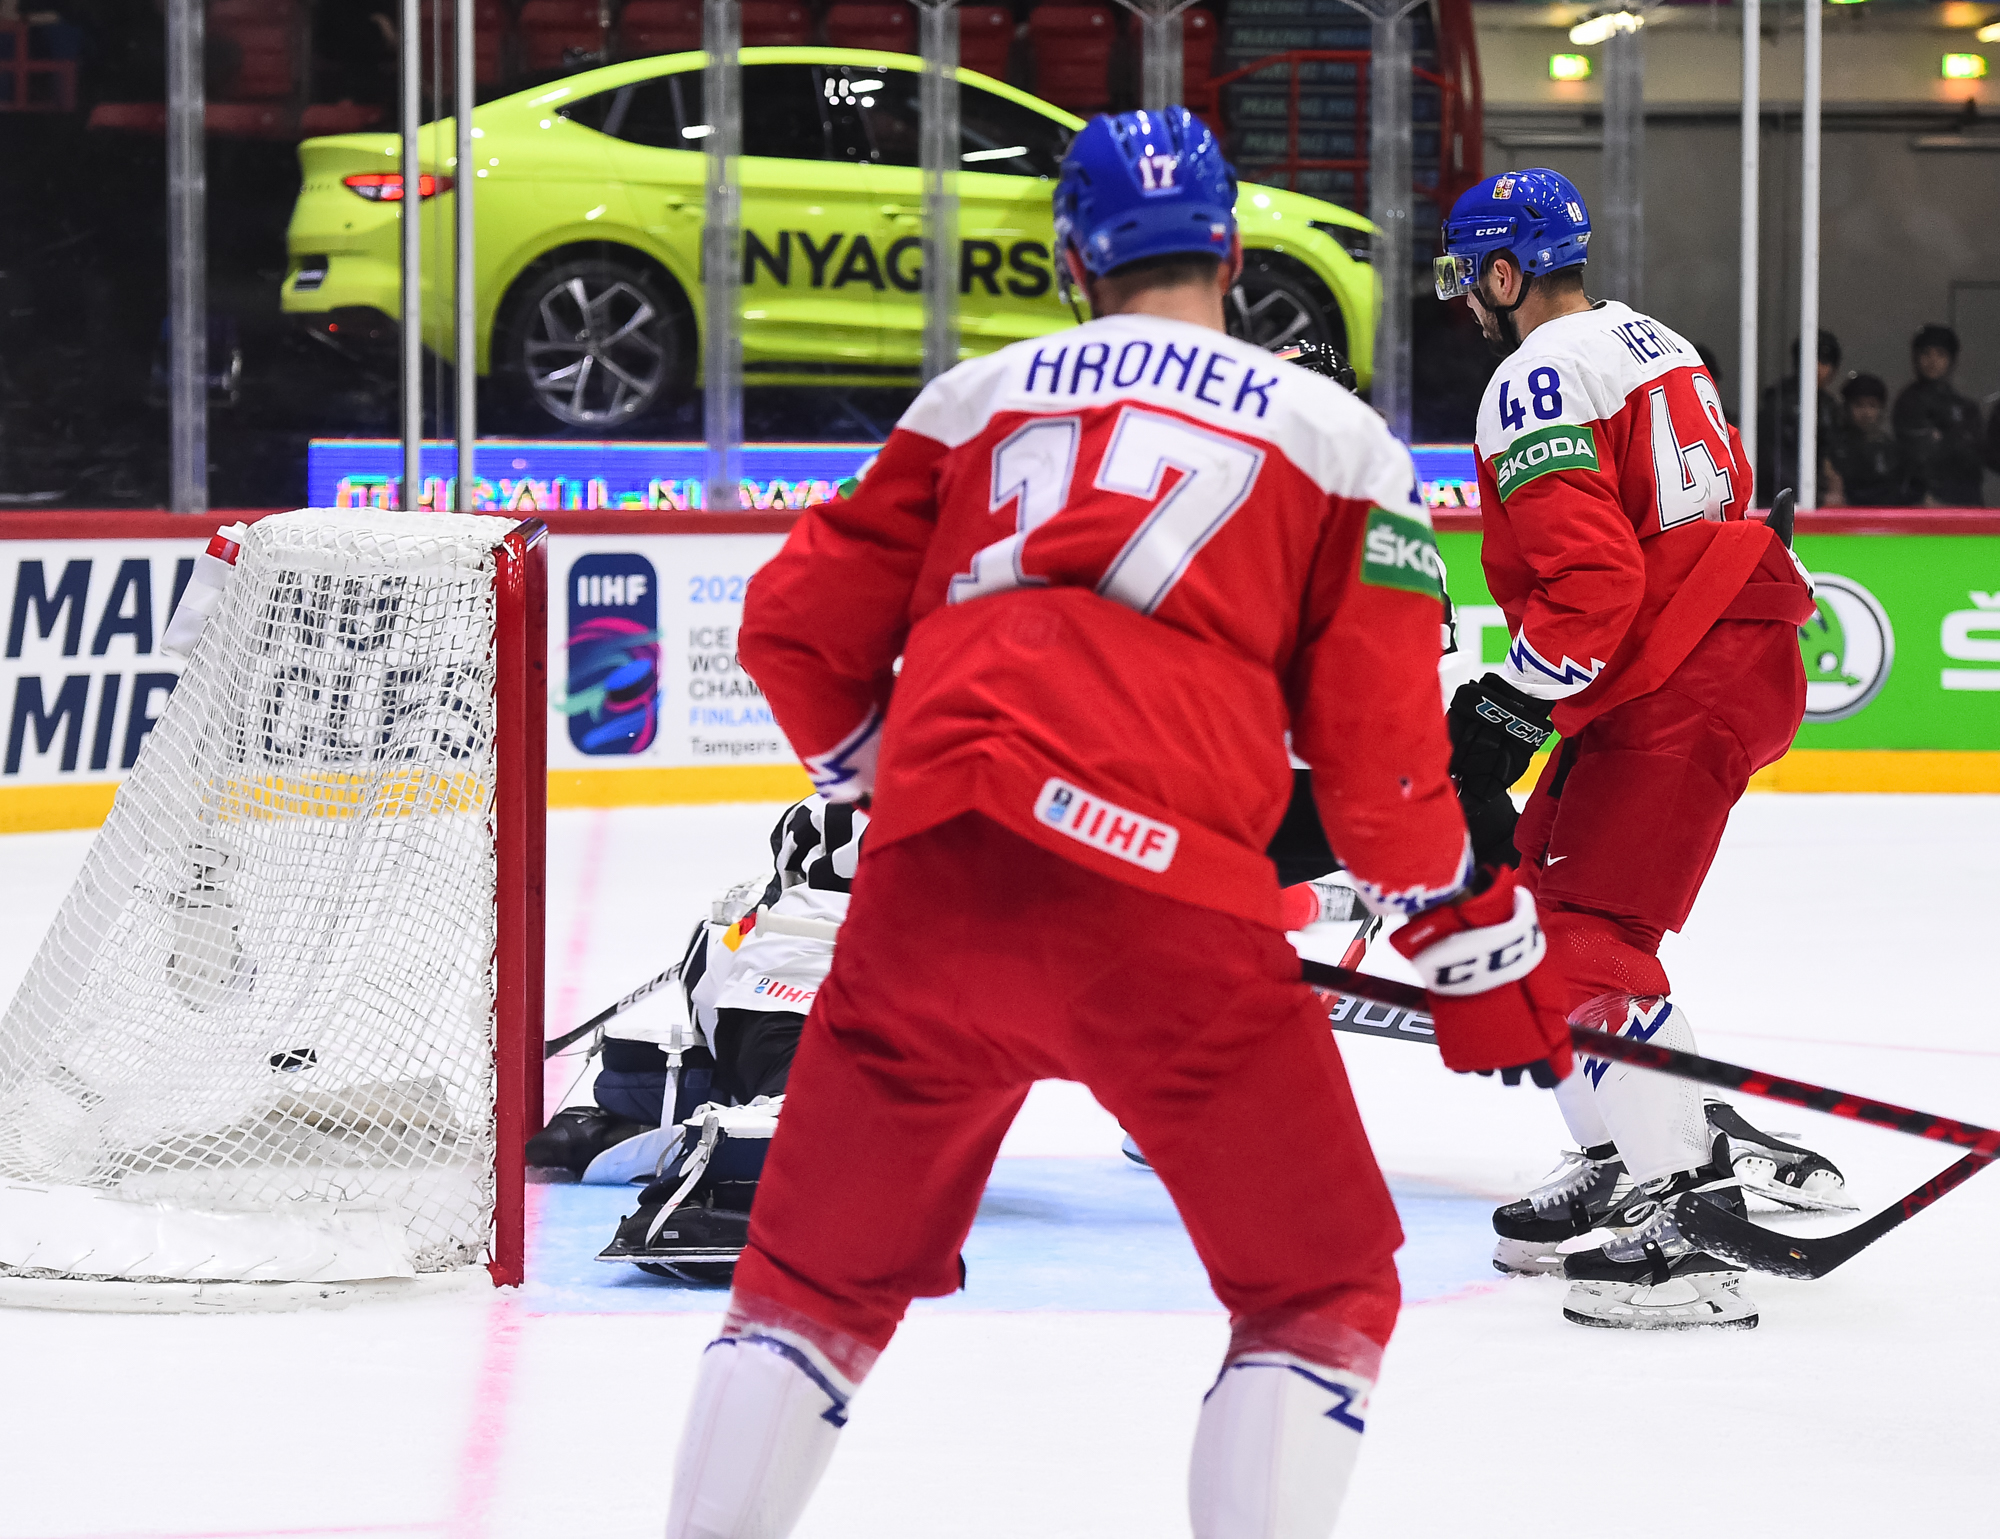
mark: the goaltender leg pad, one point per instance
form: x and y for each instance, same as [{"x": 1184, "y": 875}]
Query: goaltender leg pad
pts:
[
  {"x": 769, "y": 1403},
  {"x": 1656, "y": 1120},
  {"x": 1275, "y": 1447}
]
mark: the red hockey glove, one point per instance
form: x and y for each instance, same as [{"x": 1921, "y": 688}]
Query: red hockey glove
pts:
[{"x": 1496, "y": 1000}]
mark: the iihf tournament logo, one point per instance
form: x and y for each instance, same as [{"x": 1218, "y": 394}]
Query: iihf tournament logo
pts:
[
  {"x": 613, "y": 702},
  {"x": 1848, "y": 648}
]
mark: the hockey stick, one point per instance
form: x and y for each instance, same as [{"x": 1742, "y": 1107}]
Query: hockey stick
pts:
[
  {"x": 556, "y": 1045},
  {"x": 1712, "y": 1228}
]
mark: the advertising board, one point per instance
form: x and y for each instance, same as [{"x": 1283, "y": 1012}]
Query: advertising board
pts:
[{"x": 649, "y": 703}]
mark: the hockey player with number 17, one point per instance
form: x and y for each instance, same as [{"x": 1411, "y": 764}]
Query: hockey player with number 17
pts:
[
  {"x": 1656, "y": 630},
  {"x": 1059, "y": 636}
]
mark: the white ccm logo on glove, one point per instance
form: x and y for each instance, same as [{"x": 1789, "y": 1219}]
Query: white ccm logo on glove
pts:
[{"x": 1487, "y": 957}]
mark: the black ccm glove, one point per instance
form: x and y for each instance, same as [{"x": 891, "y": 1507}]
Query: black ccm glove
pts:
[{"x": 1495, "y": 730}]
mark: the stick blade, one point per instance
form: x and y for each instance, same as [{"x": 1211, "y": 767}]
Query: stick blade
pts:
[{"x": 1742, "y": 1243}]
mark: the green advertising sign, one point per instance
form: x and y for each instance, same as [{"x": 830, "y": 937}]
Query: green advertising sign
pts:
[{"x": 1904, "y": 651}]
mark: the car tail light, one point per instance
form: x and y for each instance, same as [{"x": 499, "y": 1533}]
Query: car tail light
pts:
[{"x": 387, "y": 186}]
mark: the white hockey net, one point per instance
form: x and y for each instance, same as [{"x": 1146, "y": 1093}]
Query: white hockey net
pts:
[{"x": 258, "y": 1042}]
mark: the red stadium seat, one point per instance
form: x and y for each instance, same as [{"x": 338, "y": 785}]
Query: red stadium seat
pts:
[
  {"x": 259, "y": 89},
  {"x": 985, "y": 38},
  {"x": 1072, "y": 45},
  {"x": 492, "y": 28},
  {"x": 264, "y": 41},
  {"x": 891, "y": 28},
  {"x": 562, "y": 35},
  {"x": 338, "y": 118},
  {"x": 776, "y": 24},
  {"x": 648, "y": 27}
]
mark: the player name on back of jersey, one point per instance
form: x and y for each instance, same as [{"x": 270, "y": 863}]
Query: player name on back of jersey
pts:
[
  {"x": 1107, "y": 827},
  {"x": 1216, "y": 376}
]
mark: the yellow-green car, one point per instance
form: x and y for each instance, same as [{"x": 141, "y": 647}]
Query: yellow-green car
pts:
[{"x": 590, "y": 211}]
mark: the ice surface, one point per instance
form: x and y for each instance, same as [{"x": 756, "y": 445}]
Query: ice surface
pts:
[{"x": 1056, "y": 1397}]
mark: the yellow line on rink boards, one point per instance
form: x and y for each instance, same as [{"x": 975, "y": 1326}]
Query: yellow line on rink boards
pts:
[
  {"x": 1879, "y": 770},
  {"x": 84, "y": 804},
  {"x": 678, "y": 784}
]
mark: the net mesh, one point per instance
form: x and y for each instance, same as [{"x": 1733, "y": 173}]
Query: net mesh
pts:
[{"x": 270, "y": 991}]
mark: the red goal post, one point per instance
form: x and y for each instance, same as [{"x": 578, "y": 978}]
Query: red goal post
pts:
[{"x": 282, "y": 1043}]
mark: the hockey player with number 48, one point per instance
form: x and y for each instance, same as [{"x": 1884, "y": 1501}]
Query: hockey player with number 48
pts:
[
  {"x": 1058, "y": 636},
  {"x": 1655, "y": 629}
]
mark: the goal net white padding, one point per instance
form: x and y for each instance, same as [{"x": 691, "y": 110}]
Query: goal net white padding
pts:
[{"x": 258, "y": 1042}]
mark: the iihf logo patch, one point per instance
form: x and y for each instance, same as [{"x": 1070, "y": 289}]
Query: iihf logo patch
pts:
[{"x": 1106, "y": 827}]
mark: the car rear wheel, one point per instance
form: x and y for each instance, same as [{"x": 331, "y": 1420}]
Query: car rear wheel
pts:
[
  {"x": 1276, "y": 304},
  {"x": 597, "y": 343}
]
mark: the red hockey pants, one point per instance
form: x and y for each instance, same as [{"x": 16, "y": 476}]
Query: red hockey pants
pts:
[
  {"x": 974, "y": 963},
  {"x": 1626, "y": 819}
]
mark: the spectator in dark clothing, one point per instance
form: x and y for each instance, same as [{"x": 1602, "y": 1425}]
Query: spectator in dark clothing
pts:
[
  {"x": 1778, "y": 428},
  {"x": 1938, "y": 427},
  {"x": 1993, "y": 434},
  {"x": 1874, "y": 471}
]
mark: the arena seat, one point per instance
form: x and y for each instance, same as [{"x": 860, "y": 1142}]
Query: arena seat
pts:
[
  {"x": 558, "y": 36},
  {"x": 985, "y": 38},
  {"x": 1072, "y": 48},
  {"x": 891, "y": 28},
  {"x": 261, "y": 47},
  {"x": 776, "y": 24},
  {"x": 492, "y": 31},
  {"x": 338, "y": 118},
  {"x": 649, "y": 27}
]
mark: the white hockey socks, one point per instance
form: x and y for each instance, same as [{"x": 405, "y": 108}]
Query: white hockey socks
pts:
[
  {"x": 769, "y": 1404},
  {"x": 1656, "y": 1120},
  {"x": 1577, "y": 1101},
  {"x": 1275, "y": 1447}
]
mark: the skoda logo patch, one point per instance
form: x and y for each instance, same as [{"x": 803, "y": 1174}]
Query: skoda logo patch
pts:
[{"x": 1848, "y": 648}]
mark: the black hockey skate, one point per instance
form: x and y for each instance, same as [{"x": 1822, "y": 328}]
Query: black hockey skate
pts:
[
  {"x": 1572, "y": 1202},
  {"x": 1780, "y": 1173},
  {"x": 694, "y": 1221},
  {"x": 689, "y": 1243},
  {"x": 577, "y": 1135},
  {"x": 1648, "y": 1276}
]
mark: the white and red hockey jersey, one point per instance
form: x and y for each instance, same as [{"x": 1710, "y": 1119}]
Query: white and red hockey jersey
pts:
[
  {"x": 1117, "y": 564},
  {"x": 1612, "y": 490},
  {"x": 735, "y": 963}
]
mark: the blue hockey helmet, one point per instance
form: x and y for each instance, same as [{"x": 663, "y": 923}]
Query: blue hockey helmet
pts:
[
  {"x": 1145, "y": 184},
  {"x": 1536, "y": 217}
]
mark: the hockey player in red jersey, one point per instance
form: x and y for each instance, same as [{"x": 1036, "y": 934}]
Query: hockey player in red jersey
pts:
[
  {"x": 1655, "y": 630},
  {"x": 1058, "y": 636}
]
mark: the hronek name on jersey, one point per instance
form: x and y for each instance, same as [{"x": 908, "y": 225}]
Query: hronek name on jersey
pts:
[{"x": 1090, "y": 368}]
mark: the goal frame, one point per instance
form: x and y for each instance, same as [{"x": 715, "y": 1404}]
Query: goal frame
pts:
[{"x": 520, "y": 831}]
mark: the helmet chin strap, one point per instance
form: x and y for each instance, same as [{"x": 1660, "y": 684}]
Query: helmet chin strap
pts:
[
  {"x": 1065, "y": 288},
  {"x": 1510, "y": 330}
]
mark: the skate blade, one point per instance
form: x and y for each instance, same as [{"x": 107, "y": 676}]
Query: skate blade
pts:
[
  {"x": 1524, "y": 1258},
  {"x": 716, "y": 1256},
  {"x": 1796, "y": 1199},
  {"x": 1679, "y": 1304}
]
